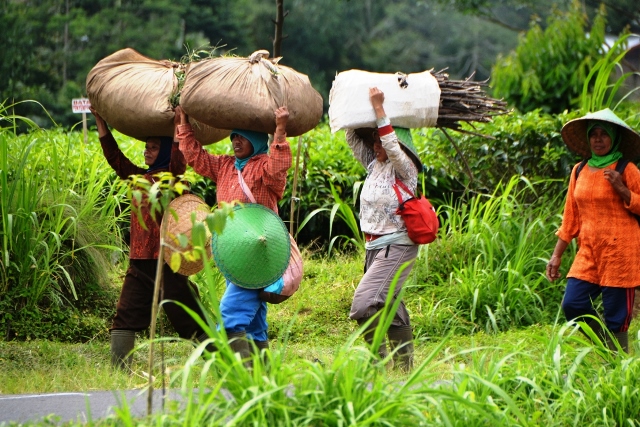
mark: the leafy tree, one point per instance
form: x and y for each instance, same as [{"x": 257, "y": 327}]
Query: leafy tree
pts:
[
  {"x": 49, "y": 46},
  {"x": 414, "y": 36},
  {"x": 621, "y": 13},
  {"x": 548, "y": 68}
]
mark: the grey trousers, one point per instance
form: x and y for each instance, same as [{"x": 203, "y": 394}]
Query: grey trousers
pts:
[{"x": 381, "y": 266}]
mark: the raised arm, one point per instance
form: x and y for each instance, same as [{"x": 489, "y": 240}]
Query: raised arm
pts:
[
  {"x": 197, "y": 157},
  {"x": 280, "y": 158},
  {"x": 123, "y": 167},
  {"x": 402, "y": 163}
]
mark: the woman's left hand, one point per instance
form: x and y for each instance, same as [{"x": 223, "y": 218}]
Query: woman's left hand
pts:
[
  {"x": 282, "y": 116},
  {"x": 376, "y": 97},
  {"x": 615, "y": 179}
]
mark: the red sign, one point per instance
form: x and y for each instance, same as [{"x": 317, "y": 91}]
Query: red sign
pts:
[{"x": 80, "y": 105}]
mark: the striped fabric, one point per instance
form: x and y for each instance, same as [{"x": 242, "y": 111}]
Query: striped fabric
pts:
[
  {"x": 144, "y": 244},
  {"x": 265, "y": 174}
]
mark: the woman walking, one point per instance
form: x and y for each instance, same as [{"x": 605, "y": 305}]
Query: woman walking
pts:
[
  {"x": 391, "y": 161},
  {"x": 600, "y": 211}
]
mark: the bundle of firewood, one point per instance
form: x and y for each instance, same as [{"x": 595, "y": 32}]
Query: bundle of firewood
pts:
[{"x": 465, "y": 101}]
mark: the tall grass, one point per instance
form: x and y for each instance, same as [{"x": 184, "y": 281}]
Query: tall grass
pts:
[
  {"x": 598, "y": 91},
  {"x": 548, "y": 375},
  {"x": 487, "y": 267},
  {"x": 556, "y": 378},
  {"x": 346, "y": 212},
  {"x": 59, "y": 218}
]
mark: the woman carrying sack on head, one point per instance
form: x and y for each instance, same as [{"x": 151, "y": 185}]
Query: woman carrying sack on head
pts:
[
  {"x": 134, "y": 308},
  {"x": 388, "y": 156},
  {"x": 600, "y": 211},
  {"x": 262, "y": 171}
]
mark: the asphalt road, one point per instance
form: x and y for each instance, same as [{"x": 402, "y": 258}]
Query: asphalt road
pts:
[{"x": 82, "y": 407}]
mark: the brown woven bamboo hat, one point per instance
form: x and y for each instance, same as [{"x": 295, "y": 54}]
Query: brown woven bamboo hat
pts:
[
  {"x": 179, "y": 226},
  {"x": 574, "y": 134}
]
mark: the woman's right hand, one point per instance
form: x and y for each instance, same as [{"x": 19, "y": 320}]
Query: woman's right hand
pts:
[
  {"x": 100, "y": 123},
  {"x": 553, "y": 267},
  {"x": 95, "y": 114},
  {"x": 180, "y": 117}
]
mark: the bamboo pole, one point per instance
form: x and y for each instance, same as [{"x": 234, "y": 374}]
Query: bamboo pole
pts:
[
  {"x": 154, "y": 311},
  {"x": 295, "y": 186}
]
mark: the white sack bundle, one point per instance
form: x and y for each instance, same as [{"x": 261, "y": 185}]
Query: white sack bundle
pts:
[
  {"x": 131, "y": 92},
  {"x": 243, "y": 93},
  {"x": 410, "y": 101}
]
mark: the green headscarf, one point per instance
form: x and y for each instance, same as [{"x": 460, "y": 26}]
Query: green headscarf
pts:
[{"x": 613, "y": 155}]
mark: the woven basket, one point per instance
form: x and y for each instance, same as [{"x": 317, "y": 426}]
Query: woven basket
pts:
[{"x": 183, "y": 206}]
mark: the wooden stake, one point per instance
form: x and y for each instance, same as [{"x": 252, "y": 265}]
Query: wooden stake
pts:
[
  {"x": 154, "y": 311},
  {"x": 84, "y": 126},
  {"x": 295, "y": 186}
]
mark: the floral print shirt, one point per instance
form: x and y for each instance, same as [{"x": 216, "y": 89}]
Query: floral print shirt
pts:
[{"x": 378, "y": 200}]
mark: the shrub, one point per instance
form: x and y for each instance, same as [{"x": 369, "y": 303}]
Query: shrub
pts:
[
  {"x": 59, "y": 224},
  {"x": 487, "y": 268},
  {"x": 548, "y": 68},
  {"x": 514, "y": 144}
]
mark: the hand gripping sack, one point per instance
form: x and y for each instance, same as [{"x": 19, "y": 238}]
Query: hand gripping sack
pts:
[
  {"x": 132, "y": 94},
  {"x": 418, "y": 214},
  {"x": 292, "y": 277},
  {"x": 243, "y": 93}
]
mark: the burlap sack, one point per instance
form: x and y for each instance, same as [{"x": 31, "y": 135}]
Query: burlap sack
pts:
[
  {"x": 131, "y": 92},
  {"x": 243, "y": 93},
  {"x": 410, "y": 101}
]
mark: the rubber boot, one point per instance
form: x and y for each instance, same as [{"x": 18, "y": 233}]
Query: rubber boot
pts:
[
  {"x": 597, "y": 329},
  {"x": 605, "y": 336},
  {"x": 262, "y": 345},
  {"x": 623, "y": 340},
  {"x": 257, "y": 347},
  {"x": 239, "y": 344},
  {"x": 211, "y": 348},
  {"x": 122, "y": 343},
  {"x": 401, "y": 338},
  {"x": 369, "y": 334}
]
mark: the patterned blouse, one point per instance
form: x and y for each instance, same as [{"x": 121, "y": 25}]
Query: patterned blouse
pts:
[
  {"x": 265, "y": 174},
  {"x": 378, "y": 200},
  {"x": 144, "y": 244},
  {"x": 607, "y": 232}
]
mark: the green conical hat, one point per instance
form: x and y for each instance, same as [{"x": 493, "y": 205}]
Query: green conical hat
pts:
[
  {"x": 404, "y": 136},
  {"x": 253, "y": 249},
  {"x": 574, "y": 134}
]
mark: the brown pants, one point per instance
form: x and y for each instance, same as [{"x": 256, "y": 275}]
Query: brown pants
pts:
[
  {"x": 381, "y": 266},
  {"x": 133, "y": 311}
]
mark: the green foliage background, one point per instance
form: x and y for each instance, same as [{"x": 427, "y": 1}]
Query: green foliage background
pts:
[
  {"x": 499, "y": 189},
  {"x": 49, "y": 46}
]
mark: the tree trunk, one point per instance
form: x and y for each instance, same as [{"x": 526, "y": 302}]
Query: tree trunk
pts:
[{"x": 277, "y": 39}]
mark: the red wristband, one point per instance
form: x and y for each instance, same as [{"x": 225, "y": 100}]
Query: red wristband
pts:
[{"x": 385, "y": 130}]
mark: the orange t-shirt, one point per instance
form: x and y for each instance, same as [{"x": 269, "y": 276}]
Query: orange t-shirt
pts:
[{"x": 608, "y": 233}]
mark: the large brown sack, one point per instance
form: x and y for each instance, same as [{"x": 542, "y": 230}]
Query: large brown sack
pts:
[
  {"x": 131, "y": 92},
  {"x": 243, "y": 93}
]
